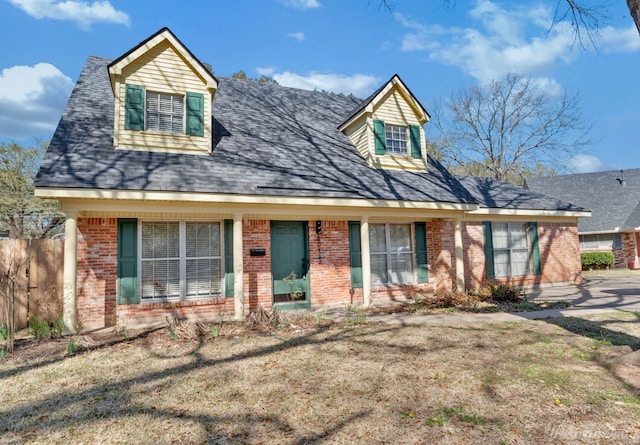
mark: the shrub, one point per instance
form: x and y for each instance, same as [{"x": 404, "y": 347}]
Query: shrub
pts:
[
  {"x": 503, "y": 293},
  {"x": 596, "y": 260}
]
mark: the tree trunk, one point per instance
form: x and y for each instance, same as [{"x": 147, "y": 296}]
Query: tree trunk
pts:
[{"x": 634, "y": 9}]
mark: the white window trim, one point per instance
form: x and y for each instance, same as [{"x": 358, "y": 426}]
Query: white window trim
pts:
[
  {"x": 146, "y": 112},
  {"x": 511, "y": 249},
  {"x": 414, "y": 259},
  {"x": 183, "y": 260},
  {"x": 407, "y": 142}
]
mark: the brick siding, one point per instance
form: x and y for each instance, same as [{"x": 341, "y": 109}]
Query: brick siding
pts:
[
  {"x": 559, "y": 256},
  {"x": 330, "y": 274}
]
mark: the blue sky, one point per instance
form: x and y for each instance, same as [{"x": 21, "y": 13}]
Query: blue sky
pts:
[{"x": 349, "y": 46}]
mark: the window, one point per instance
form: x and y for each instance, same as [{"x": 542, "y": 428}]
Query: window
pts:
[
  {"x": 180, "y": 259},
  {"x": 165, "y": 112},
  {"x": 391, "y": 254},
  {"x": 396, "y": 139},
  {"x": 603, "y": 241},
  {"x": 510, "y": 249}
]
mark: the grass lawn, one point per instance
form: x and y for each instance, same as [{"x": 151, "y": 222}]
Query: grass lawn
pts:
[{"x": 563, "y": 381}]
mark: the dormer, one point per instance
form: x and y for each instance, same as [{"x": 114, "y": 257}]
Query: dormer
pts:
[
  {"x": 387, "y": 128},
  {"x": 163, "y": 98}
]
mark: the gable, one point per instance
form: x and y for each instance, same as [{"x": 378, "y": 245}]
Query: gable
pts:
[
  {"x": 390, "y": 112},
  {"x": 162, "y": 72}
]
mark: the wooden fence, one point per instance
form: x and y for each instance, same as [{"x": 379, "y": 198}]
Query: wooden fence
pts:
[{"x": 38, "y": 268}]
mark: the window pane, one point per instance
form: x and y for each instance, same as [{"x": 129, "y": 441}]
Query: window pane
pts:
[
  {"x": 400, "y": 237},
  {"x": 520, "y": 262},
  {"x": 617, "y": 241},
  {"x": 589, "y": 241},
  {"x": 377, "y": 238},
  {"x": 501, "y": 263},
  {"x": 396, "y": 137},
  {"x": 518, "y": 232},
  {"x": 165, "y": 112},
  {"x": 500, "y": 235},
  {"x": 379, "y": 269},
  {"x": 402, "y": 268}
]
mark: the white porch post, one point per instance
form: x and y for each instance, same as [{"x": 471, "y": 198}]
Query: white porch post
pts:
[
  {"x": 238, "y": 269},
  {"x": 365, "y": 260},
  {"x": 69, "y": 272},
  {"x": 459, "y": 254}
]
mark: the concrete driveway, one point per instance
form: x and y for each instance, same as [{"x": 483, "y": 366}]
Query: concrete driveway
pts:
[{"x": 598, "y": 294}]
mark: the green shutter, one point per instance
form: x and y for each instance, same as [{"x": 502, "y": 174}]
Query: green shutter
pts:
[
  {"x": 380, "y": 137},
  {"x": 228, "y": 257},
  {"x": 134, "y": 108},
  {"x": 195, "y": 114},
  {"x": 535, "y": 248},
  {"x": 355, "y": 254},
  {"x": 414, "y": 136},
  {"x": 421, "y": 252},
  {"x": 127, "y": 261},
  {"x": 488, "y": 249}
]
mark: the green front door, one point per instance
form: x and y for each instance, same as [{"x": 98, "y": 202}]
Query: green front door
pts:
[{"x": 290, "y": 263}]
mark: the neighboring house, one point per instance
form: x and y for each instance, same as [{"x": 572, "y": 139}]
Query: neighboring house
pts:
[
  {"x": 614, "y": 200},
  {"x": 192, "y": 196}
]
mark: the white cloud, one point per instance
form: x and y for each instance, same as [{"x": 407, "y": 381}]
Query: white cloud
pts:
[
  {"x": 266, "y": 71},
  {"x": 360, "y": 85},
  {"x": 301, "y": 4},
  {"x": 518, "y": 39},
  {"x": 620, "y": 40},
  {"x": 83, "y": 13},
  {"x": 32, "y": 99},
  {"x": 299, "y": 36},
  {"x": 586, "y": 164}
]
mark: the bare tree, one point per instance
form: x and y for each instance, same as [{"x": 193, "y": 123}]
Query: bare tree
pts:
[
  {"x": 508, "y": 129},
  {"x": 11, "y": 269},
  {"x": 585, "y": 17},
  {"x": 20, "y": 211}
]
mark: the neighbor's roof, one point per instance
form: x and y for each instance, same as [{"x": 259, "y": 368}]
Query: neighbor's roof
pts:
[
  {"x": 614, "y": 207},
  {"x": 268, "y": 140}
]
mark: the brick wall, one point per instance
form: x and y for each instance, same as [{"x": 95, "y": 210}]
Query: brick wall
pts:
[
  {"x": 629, "y": 252},
  {"x": 441, "y": 253},
  {"x": 559, "y": 256},
  {"x": 97, "y": 268},
  {"x": 256, "y": 234},
  {"x": 330, "y": 270}
]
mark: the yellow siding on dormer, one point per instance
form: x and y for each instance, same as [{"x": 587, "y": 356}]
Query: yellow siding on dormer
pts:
[
  {"x": 162, "y": 70},
  {"x": 394, "y": 109},
  {"x": 359, "y": 136}
]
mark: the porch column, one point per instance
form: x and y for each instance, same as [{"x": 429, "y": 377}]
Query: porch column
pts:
[
  {"x": 459, "y": 253},
  {"x": 238, "y": 269},
  {"x": 69, "y": 272},
  {"x": 365, "y": 260}
]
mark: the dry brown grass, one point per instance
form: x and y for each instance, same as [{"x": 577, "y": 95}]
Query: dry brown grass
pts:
[{"x": 504, "y": 382}]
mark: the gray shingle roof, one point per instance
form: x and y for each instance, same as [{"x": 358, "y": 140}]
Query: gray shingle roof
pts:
[
  {"x": 267, "y": 140},
  {"x": 492, "y": 193},
  {"x": 613, "y": 206}
]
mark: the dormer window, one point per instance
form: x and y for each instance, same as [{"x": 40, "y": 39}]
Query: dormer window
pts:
[
  {"x": 396, "y": 139},
  {"x": 165, "y": 113},
  {"x": 396, "y": 136}
]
